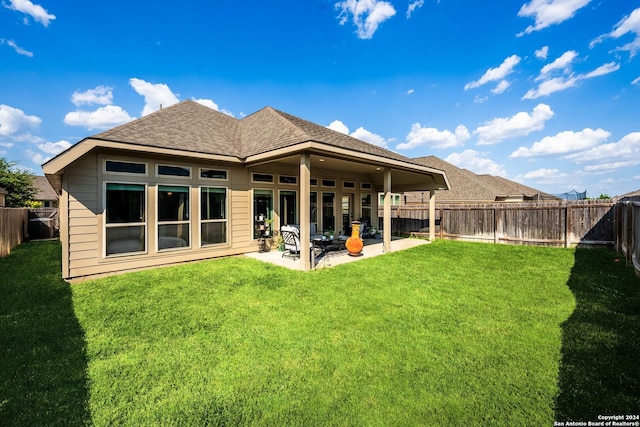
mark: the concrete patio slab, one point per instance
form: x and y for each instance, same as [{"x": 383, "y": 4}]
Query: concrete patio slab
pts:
[{"x": 371, "y": 249}]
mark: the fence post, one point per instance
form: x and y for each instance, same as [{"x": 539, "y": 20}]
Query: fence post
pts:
[{"x": 567, "y": 226}]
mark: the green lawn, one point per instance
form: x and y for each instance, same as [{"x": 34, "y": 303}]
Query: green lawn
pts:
[{"x": 450, "y": 333}]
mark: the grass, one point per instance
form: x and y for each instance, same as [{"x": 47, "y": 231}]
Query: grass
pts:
[{"x": 444, "y": 334}]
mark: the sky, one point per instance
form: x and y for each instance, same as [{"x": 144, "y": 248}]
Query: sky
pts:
[{"x": 542, "y": 92}]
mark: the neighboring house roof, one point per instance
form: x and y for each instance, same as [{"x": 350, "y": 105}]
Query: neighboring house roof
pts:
[
  {"x": 3, "y": 191},
  {"x": 191, "y": 129},
  {"x": 467, "y": 186},
  {"x": 631, "y": 194},
  {"x": 44, "y": 190}
]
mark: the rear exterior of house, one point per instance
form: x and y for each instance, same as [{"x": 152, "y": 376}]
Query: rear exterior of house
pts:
[{"x": 186, "y": 183}]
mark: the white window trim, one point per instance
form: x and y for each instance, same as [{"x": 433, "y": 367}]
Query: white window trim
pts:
[
  {"x": 272, "y": 182},
  {"x": 128, "y": 224},
  {"x": 207, "y": 221},
  {"x": 173, "y": 176},
  {"x": 105, "y": 172},
  {"x": 204, "y": 178},
  {"x": 288, "y": 183},
  {"x": 252, "y": 219},
  {"x": 158, "y": 223}
]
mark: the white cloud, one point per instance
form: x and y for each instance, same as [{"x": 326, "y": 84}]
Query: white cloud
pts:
[
  {"x": 562, "y": 63},
  {"x": 101, "y": 95},
  {"x": 338, "y": 126},
  {"x": 501, "y": 88},
  {"x": 547, "y": 176},
  {"x": 103, "y": 118},
  {"x": 540, "y": 173},
  {"x": 155, "y": 95},
  {"x": 410, "y": 91},
  {"x": 542, "y": 53},
  {"x": 607, "y": 68},
  {"x": 370, "y": 137},
  {"x": 475, "y": 162},
  {"x": 37, "y": 158},
  {"x": 549, "y": 12},
  {"x": 636, "y": 81},
  {"x": 556, "y": 84},
  {"x": 360, "y": 133},
  {"x": 207, "y": 103},
  {"x": 627, "y": 148},
  {"x": 413, "y": 5},
  {"x": 609, "y": 167},
  {"x": 563, "y": 143},
  {"x": 367, "y": 15},
  {"x": 18, "y": 49},
  {"x": 434, "y": 138},
  {"x": 54, "y": 147},
  {"x": 495, "y": 74},
  {"x": 37, "y": 12},
  {"x": 628, "y": 24},
  {"x": 520, "y": 124},
  {"x": 14, "y": 120}
]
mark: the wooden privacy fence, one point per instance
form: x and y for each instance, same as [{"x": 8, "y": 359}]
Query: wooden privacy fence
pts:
[
  {"x": 545, "y": 224},
  {"x": 13, "y": 228},
  {"x": 628, "y": 231}
]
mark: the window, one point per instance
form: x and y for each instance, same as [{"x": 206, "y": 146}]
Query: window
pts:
[
  {"x": 348, "y": 184},
  {"x": 285, "y": 179},
  {"x": 328, "y": 216},
  {"x": 328, "y": 183},
  {"x": 365, "y": 203},
  {"x": 314, "y": 182},
  {"x": 262, "y": 205},
  {"x": 213, "y": 216},
  {"x": 114, "y": 166},
  {"x": 288, "y": 208},
  {"x": 366, "y": 186},
  {"x": 173, "y": 217},
  {"x": 262, "y": 177},
  {"x": 125, "y": 218},
  {"x": 396, "y": 199},
  {"x": 182, "y": 171},
  {"x": 313, "y": 207},
  {"x": 213, "y": 174}
]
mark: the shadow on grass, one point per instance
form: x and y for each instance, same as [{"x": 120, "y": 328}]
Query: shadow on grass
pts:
[
  {"x": 599, "y": 371},
  {"x": 43, "y": 364}
]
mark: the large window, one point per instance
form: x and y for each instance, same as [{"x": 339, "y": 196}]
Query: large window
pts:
[
  {"x": 328, "y": 212},
  {"x": 125, "y": 213},
  {"x": 262, "y": 205},
  {"x": 365, "y": 201},
  {"x": 213, "y": 215},
  {"x": 173, "y": 217},
  {"x": 288, "y": 208}
]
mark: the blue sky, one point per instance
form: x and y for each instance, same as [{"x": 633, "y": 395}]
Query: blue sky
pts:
[{"x": 543, "y": 92}]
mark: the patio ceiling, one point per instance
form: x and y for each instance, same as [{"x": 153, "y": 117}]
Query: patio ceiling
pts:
[{"x": 403, "y": 178}]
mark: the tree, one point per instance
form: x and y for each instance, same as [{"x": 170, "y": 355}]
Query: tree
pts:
[{"x": 17, "y": 182}]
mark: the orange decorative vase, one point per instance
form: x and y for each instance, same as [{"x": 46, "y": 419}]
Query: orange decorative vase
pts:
[{"x": 354, "y": 243}]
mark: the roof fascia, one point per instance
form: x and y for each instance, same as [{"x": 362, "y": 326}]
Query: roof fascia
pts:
[
  {"x": 344, "y": 153},
  {"x": 58, "y": 163}
]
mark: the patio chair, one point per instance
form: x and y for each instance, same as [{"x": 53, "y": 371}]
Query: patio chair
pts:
[{"x": 291, "y": 237}]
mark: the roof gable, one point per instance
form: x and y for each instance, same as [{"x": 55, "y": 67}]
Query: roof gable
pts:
[{"x": 188, "y": 126}]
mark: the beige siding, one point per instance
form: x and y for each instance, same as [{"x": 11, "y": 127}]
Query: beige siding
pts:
[{"x": 85, "y": 180}]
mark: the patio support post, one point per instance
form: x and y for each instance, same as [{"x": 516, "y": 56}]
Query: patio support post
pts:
[
  {"x": 305, "y": 208},
  {"x": 386, "y": 220},
  {"x": 432, "y": 214}
]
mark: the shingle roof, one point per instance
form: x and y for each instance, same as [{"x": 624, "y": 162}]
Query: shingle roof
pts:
[
  {"x": 468, "y": 186},
  {"x": 44, "y": 190},
  {"x": 193, "y": 127},
  {"x": 187, "y": 126}
]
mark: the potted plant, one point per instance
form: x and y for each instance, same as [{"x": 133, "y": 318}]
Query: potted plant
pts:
[
  {"x": 278, "y": 242},
  {"x": 267, "y": 229}
]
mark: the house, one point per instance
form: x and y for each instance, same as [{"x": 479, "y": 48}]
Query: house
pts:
[
  {"x": 468, "y": 187},
  {"x": 187, "y": 183},
  {"x": 45, "y": 195}
]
